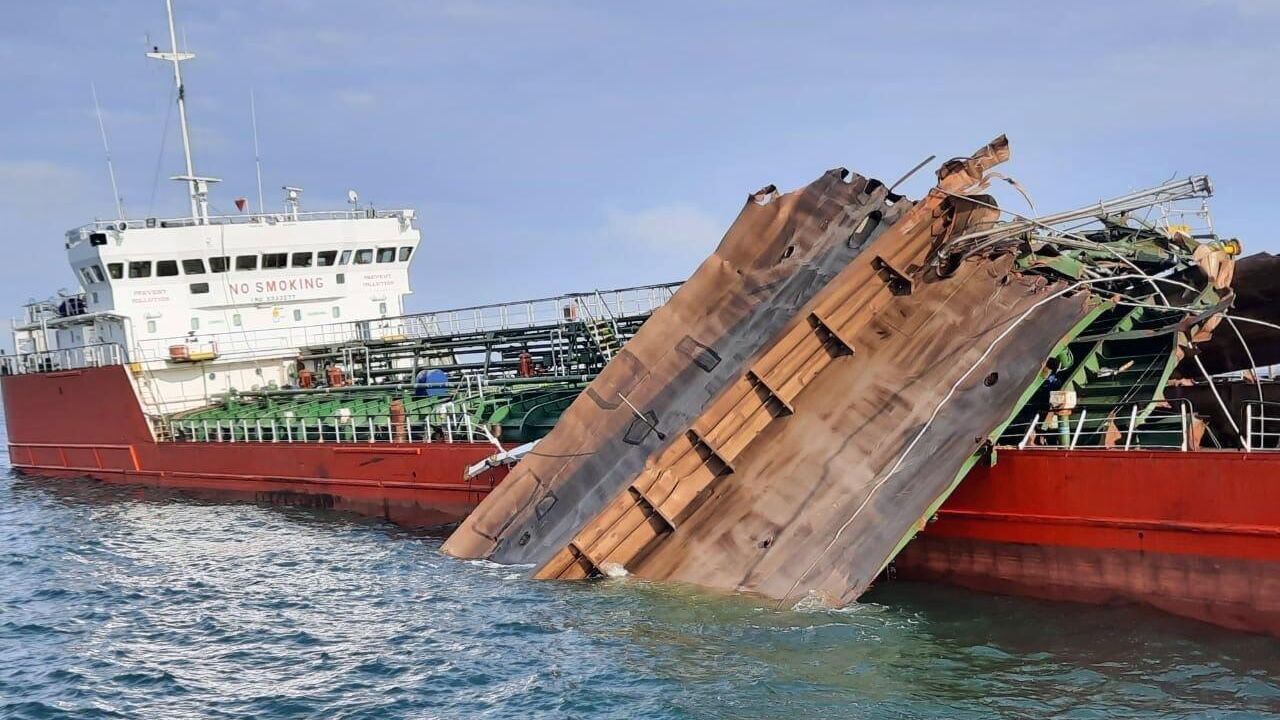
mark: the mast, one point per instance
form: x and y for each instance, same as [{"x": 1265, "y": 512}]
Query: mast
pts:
[
  {"x": 257, "y": 156},
  {"x": 111, "y": 170},
  {"x": 198, "y": 187}
]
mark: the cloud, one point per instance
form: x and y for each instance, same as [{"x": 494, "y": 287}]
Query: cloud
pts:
[
  {"x": 357, "y": 99},
  {"x": 679, "y": 234},
  {"x": 35, "y": 190},
  {"x": 44, "y": 200}
]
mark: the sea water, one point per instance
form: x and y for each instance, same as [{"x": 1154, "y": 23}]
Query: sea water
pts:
[{"x": 128, "y": 602}]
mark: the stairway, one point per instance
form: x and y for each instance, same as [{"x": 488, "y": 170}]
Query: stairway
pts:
[
  {"x": 603, "y": 331},
  {"x": 1117, "y": 367}
]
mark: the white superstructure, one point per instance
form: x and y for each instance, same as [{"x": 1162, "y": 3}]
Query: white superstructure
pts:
[{"x": 202, "y": 304}]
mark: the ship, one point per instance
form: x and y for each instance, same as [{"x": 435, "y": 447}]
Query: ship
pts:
[{"x": 269, "y": 355}]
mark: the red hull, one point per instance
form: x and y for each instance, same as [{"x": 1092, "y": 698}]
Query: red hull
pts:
[
  {"x": 1196, "y": 534},
  {"x": 89, "y": 423}
]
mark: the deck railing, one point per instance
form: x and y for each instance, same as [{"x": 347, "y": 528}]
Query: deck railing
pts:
[
  {"x": 1095, "y": 427},
  {"x": 260, "y": 218},
  {"x": 542, "y": 312},
  {"x": 72, "y": 358},
  {"x": 431, "y": 427},
  {"x": 1261, "y": 425},
  {"x": 554, "y": 311}
]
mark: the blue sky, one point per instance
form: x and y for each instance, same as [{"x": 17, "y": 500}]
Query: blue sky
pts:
[{"x": 557, "y": 146}]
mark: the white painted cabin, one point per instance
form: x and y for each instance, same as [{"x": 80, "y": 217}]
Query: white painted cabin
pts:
[{"x": 202, "y": 306}]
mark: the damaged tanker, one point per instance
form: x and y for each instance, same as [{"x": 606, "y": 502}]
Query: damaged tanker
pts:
[{"x": 804, "y": 404}]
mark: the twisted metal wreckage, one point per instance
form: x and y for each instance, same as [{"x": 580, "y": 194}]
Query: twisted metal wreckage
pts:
[{"x": 809, "y": 398}]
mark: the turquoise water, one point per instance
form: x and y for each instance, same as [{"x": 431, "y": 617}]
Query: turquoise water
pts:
[{"x": 123, "y": 602}]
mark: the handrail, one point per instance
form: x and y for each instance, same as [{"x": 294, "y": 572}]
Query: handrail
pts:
[
  {"x": 636, "y": 301},
  {"x": 1091, "y": 421},
  {"x": 415, "y": 427},
  {"x": 268, "y": 218},
  {"x": 71, "y": 358},
  {"x": 1261, "y": 428}
]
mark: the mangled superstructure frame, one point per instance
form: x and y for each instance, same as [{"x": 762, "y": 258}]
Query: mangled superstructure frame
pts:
[{"x": 799, "y": 409}]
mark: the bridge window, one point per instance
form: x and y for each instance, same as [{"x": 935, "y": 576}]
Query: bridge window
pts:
[
  {"x": 386, "y": 255},
  {"x": 199, "y": 288},
  {"x": 219, "y": 264},
  {"x": 272, "y": 261},
  {"x": 405, "y": 252},
  {"x": 246, "y": 262},
  {"x": 297, "y": 315},
  {"x": 364, "y": 256},
  {"x": 96, "y": 269},
  {"x": 85, "y": 276},
  {"x": 302, "y": 259},
  {"x": 166, "y": 268},
  {"x": 325, "y": 258},
  {"x": 195, "y": 323},
  {"x": 382, "y": 309},
  {"x": 346, "y": 257},
  {"x": 116, "y": 270},
  {"x": 337, "y": 311},
  {"x": 140, "y": 269},
  {"x": 193, "y": 267}
]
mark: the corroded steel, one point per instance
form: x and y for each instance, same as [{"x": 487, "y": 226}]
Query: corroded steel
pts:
[
  {"x": 781, "y": 250},
  {"x": 1257, "y": 286},
  {"x": 632, "y": 462},
  {"x": 796, "y": 449}
]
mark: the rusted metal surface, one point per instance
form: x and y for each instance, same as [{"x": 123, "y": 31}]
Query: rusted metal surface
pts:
[
  {"x": 777, "y": 255},
  {"x": 821, "y": 445},
  {"x": 820, "y": 498},
  {"x": 784, "y": 428},
  {"x": 1257, "y": 295}
]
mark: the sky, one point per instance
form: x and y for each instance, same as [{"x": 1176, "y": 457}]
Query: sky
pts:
[{"x": 554, "y": 147}]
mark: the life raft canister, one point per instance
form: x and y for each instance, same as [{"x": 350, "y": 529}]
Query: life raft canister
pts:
[{"x": 396, "y": 411}]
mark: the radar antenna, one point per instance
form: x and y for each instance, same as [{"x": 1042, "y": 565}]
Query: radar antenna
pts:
[{"x": 198, "y": 187}]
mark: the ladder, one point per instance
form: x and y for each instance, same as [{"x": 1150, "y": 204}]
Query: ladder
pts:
[{"x": 602, "y": 330}]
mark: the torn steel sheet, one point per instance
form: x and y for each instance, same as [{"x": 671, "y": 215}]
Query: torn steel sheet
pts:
[
  {"x": 1257, "y": 296},
  {"x": 641, "y": 417},
  {"x": 797, "y": 446},
  {"x": 781, "y": 250}
]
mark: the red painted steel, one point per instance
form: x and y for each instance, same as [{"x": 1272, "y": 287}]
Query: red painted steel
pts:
[
  {"x": 89, "y": 423},
  {"x": 1195, "y": 533}
]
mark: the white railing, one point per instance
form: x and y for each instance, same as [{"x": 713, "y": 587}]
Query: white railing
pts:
[
  {"x": 1261, "y": 426},
  {"x": 262, "y": 218},
  {"x": 1096, "y": 428},
  {"x": 430, "y": 427},
  {"x": 72, "y": 358},
  {"x": 553, "y": 311}
]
